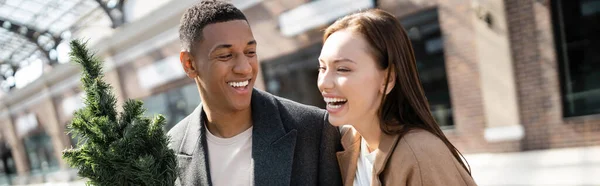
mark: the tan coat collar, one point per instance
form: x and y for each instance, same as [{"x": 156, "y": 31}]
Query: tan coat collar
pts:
[
  {"x": 386, "y": 147},
  {"x": 348, "y": 158}
]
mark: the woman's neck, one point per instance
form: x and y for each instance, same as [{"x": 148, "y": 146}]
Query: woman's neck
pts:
[{"x": 370, "y": 131}]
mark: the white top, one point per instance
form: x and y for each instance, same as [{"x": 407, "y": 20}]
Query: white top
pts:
[
  {"x": 364, "y": 166},
  {"x": 230, "y": 159}
]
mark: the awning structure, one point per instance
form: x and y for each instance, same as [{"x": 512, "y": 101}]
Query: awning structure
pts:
[{"x": 31, "y": 31}]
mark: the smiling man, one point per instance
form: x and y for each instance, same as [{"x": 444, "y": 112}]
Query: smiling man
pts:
[{"x": 239, "y": 135}]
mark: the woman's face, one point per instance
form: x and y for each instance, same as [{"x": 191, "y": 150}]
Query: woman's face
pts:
[{"x": 349, "y": 79}]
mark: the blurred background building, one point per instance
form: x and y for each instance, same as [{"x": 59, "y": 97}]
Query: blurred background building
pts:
[{"x": 515, "y": 84}]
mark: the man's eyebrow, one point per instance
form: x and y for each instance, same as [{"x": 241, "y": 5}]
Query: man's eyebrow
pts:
[{"x": 220, "y": 47}]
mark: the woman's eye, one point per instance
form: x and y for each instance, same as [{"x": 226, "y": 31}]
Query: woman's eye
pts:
[
  {"x": 321, "y": 69},
  {"x": 343, "y": 70}
]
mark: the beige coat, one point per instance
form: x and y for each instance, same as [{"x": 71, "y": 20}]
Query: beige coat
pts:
[{"x": 418, "y": 159}]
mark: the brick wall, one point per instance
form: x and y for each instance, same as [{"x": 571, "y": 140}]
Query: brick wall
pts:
[
  {"x": 455, "y": 17},
  {"x": 456, "y": 22},
  {"x": 463, "y": 75},
  {"x": 537, "y": 71}
]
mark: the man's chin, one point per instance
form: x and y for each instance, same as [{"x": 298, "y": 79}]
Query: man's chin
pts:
[{"x": 240, "y": 105}]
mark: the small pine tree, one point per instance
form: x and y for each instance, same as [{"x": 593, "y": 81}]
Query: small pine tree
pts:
[{"x": 124, "y": 149}]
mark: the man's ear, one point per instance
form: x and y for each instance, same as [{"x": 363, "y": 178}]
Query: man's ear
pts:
[{"x": 187, "y": 62}]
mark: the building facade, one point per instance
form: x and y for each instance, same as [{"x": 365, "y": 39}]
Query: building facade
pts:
[{"x": 500, "y": 75}]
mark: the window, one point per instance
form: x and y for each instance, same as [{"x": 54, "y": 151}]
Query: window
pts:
[
  {"x": 577, "y": 48},
  {"x": 7, "y": 165},
  {"x": 294, "y": 76},
  {"x": 40, "y": 152},
  {"x": 424, "y": 31},
  {"x": 74, "y": 139},
  {"x": 174, "y": 105}
]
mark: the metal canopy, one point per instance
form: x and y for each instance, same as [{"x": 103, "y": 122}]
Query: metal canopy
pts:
[{"x": 31, "y": 30}]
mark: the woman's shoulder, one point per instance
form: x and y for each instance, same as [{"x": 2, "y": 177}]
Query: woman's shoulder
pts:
[
  {"x": 425, "y": 154},
  {"x": 423, "y": 144}
]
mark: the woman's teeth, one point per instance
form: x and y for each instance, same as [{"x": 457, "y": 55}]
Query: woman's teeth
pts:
[
  {"x": 335, "y": 102},
  {"x": 334, "y": 106}
]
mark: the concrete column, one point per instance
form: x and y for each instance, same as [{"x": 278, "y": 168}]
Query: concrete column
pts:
[
  {"x": 16, "y": 144},
  {"x": 47, "y": 117}
]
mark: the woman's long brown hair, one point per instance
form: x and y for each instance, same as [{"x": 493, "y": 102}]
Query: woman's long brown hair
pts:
[{"x": 406, "y": 106}]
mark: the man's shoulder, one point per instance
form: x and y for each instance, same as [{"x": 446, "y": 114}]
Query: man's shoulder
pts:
[
  {"x": 295, "y": 109},
  {"x": 179, "y": 128},
  {"x": 299, "y": 108},
  {"x": 297, "y": 115},
  {"x": 177, "y": 133},
  {"x": 304, "y": 114}
]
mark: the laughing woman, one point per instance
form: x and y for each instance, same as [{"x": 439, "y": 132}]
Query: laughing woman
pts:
[{"x": 368, "y": 78}]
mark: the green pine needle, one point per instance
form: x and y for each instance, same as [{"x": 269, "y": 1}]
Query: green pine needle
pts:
[{"x": 123, "y": 149}]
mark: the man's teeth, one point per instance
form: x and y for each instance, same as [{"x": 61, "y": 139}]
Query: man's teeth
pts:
[
  {"x": 334, "y": 100},
  {"x": 239, "y": 84}
]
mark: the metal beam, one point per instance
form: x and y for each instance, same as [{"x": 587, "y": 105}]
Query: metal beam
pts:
[
  {"x": 32, "y": 35},
  {"x": 115, "y": 13}
]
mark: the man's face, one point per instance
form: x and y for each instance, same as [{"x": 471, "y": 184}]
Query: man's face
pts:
[{"x": 226, "y": 65}]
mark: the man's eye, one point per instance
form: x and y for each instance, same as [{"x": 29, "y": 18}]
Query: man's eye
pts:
[{"x": 224, "y": 57}]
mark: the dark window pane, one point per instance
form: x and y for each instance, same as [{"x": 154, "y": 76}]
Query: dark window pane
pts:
[
  {"x": 577, "y": 41},
  {"x": 7, "y": 165},
  {"x": 174, "y": 104},
  {"x": 294, "y": 76},
  {"x": 40, "y": 152},
  {"x": 426, "y": 37}
]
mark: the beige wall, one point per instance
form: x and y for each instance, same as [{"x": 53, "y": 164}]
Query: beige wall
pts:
[
  {"x": 495, "y": 64},
  {"x": 497, "y": 77}
]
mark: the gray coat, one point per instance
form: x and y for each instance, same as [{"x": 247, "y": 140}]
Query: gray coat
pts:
[{"x": 292, "y": 144}]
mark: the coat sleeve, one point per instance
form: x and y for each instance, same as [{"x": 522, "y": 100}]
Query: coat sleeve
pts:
[{"x": 329, "y": 171}]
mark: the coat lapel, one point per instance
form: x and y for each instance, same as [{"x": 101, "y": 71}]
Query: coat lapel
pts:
[
  {"x": 386, "y": 147},
  {"x": 193, "y": 158},
  {"x": 272, "y": 146},
  {"x": 348, "y": 158}
]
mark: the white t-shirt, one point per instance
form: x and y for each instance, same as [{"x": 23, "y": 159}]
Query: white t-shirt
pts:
[
  {"x": 364, "y": 166},
  {"x": 230, "y": 159}
]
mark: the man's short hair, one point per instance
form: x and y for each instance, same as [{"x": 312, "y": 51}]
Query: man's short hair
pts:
[{"x": 204, "y": 13}]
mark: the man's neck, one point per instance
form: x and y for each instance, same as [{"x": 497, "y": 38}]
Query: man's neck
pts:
[{"x": 227, "y": 124}]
